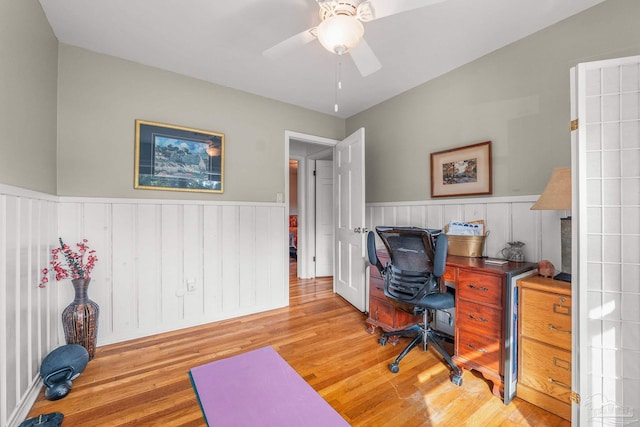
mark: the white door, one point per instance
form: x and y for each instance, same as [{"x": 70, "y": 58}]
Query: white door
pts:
[
  {"x": 606, "y": 242},
  {"x": 324, "y": 218},
  {"x": 350, "y": 265}
]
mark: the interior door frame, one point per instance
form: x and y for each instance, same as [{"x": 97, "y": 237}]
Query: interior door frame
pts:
[{"x": 304, "y": 261}]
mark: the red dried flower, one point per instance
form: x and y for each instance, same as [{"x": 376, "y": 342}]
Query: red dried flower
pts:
[{"x": 74, "y": 267}]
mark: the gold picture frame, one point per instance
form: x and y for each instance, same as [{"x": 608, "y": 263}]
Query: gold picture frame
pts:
[
  {"x": 463, "y": 171},
  {"x": 177, "y": 158}
]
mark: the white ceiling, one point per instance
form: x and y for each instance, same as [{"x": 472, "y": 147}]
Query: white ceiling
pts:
[{"x": 222, "y": 41}]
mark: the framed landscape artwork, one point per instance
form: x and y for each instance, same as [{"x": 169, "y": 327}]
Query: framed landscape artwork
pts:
[
  {"x": 176, "y": 158},
  {"x": 463, "y": 171}
]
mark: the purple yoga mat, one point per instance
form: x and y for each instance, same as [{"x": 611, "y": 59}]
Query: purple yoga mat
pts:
[{"x": 259, "y": 388}]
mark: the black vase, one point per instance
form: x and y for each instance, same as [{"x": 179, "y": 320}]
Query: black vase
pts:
[{"x": 80, "y": 318}]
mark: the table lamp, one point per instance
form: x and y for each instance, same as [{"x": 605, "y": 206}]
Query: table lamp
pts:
[{"x": 557, "y": 196}]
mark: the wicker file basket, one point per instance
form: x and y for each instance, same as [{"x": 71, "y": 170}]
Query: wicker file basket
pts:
[{"x": 469, "y": 246}]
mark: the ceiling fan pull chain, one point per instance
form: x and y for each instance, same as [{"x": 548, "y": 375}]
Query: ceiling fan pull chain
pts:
[
  {"x": 339, "y": 73},
  {"x": 338, "y": 81}
]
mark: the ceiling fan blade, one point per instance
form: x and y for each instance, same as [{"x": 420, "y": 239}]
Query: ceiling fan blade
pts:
[
  {"x": 291, "y": 44},
  {"x": 366, "y": 61},
  {"x": 376, "y": 9}
]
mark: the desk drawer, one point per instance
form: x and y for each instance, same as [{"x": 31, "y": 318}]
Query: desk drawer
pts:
[
  {"x": 480, "y": 287},
  {"x": 480, "y": 349},
  {"x": 546, "y": 369},
  {"x": 546, "y": 317},
  {"x": 374, "y": 272},
  {"x": 449, "y": 276},
  {"x": 381, "y": 311},
  {"x": 479, "y": 318},
  {"x": 376, "y": 287}
]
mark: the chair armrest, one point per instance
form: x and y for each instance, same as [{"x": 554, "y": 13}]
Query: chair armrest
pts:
[{"x": 371, "y": 252}]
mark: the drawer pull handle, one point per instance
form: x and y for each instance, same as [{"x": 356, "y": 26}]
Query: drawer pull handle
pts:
[
  {"x": 562, "y": 309},
  {"x": 558, "y": 383},
  {"x": 480, "y": 288},
  {"x": 473, "y": 347},
  {"x": 479, "y": 319},
  {"x": 553, "y": 328},
  {"x": 562, "y": 364}
]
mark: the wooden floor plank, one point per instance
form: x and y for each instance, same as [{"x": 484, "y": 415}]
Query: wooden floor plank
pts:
[{"x": 145, "y": 382}]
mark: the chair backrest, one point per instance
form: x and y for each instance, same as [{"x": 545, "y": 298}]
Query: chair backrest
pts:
[{"x": 417, "y": 261}]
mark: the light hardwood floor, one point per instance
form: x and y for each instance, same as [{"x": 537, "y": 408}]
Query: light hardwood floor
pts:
[{"x": 145, "y": 382}]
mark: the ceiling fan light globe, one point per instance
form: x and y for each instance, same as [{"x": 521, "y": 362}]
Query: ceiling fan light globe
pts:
[{"x": 340, "y": 33}]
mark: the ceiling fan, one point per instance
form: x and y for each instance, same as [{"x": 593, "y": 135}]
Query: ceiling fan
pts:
[{"x": 341, "y": 31}]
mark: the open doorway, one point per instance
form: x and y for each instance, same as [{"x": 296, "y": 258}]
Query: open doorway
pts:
[
  {"x": 309, "y": 248},
  {"x": 293, "y": 217},
  {"x": 347, "y": 195}
]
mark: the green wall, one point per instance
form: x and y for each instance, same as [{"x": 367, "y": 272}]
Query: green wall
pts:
[
  {"x": 517, "y": 97},
  {"x": 28, "y": 85},
  {"x": 100, "y": 97}
]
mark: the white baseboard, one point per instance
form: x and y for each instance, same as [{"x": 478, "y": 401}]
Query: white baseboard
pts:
[{"x": 30, "y": 397}]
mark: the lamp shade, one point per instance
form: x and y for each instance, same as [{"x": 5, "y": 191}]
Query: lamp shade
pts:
[
  {"x": 339, "y": 33},
  {"x": 557, "y": 194}
]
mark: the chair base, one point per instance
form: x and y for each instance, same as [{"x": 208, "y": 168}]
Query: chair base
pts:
[{"x": 423, "y": 334}]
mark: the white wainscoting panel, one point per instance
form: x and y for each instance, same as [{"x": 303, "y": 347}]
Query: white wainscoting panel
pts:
[
  {"x": 166, "y": 265},
  {"x": 507, "y": 219},
  {"x": 162, "y": 265},
  {"x": 29, "y": 322}
]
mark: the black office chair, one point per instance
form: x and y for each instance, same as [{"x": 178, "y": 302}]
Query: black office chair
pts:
[{"x": 412, "y": 282}]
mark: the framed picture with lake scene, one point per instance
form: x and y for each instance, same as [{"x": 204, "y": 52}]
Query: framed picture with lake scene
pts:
[
  {"x": 463, "y": 171},
  {"x": 176, "y": 158}
]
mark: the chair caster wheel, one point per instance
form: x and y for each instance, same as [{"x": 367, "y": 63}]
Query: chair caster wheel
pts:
[
  {"x": 382, "y": 340},
  {"x": 393, "y": 367},
  {"x": 457, "y": 380}
]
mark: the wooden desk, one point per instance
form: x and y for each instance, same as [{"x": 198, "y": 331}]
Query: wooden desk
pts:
[
  {"x": 486, "y": 322},
  {"x": 485, "y": 316}
]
